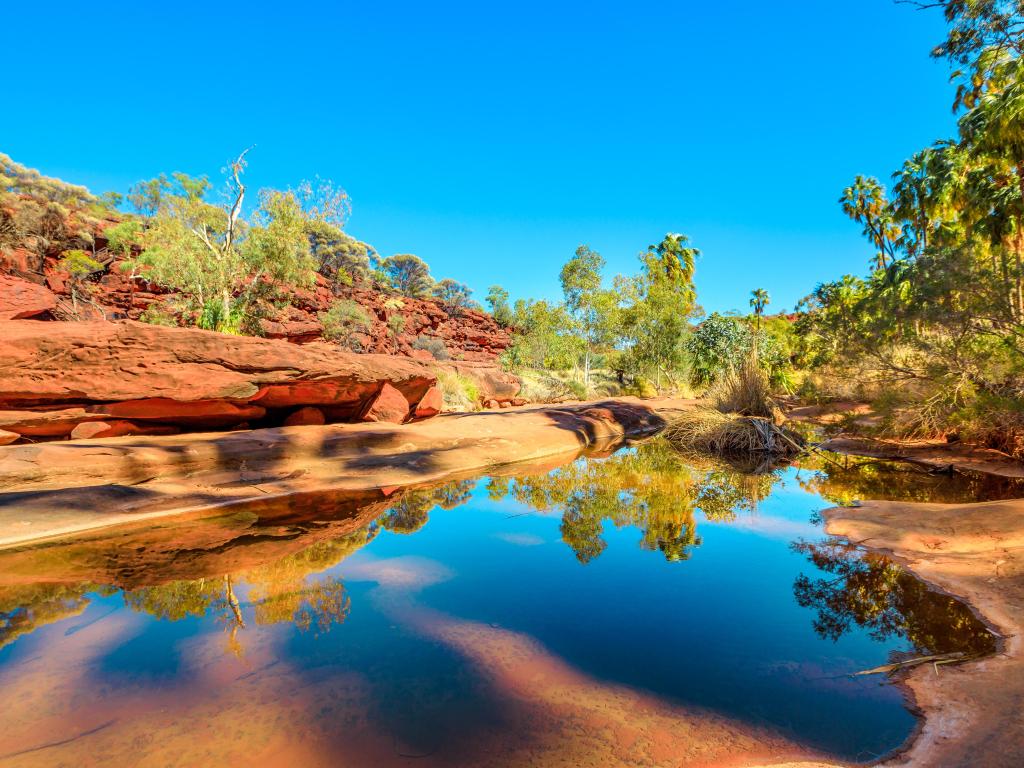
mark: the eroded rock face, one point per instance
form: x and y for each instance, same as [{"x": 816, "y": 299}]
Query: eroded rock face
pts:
[
  {"x": 20, "y": 299},
  {"x": 60, "y": 375}
]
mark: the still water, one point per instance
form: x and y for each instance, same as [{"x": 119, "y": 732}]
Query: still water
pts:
[{"x": 632, "y": 609}]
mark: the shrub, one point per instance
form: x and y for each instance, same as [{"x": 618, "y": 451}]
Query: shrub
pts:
[
  {"x": 159, "y": 313},
  {"x": 396, "y": 325},
  {"x": 343, "y": 320},
  {"x": 459, "y": 392},
  {"x": 432, "y": 345}
]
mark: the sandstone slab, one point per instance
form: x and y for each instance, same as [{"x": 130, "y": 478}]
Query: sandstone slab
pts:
[
  {"x": 21, "y": 299},
  {"x": 57, "y": 375}
]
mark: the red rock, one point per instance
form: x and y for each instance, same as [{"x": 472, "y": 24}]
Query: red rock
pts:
[
  {"x": 389, "y": 405},
  {"x": 57, "y": 282},
  {"x": 21, "y": 260},
  {"x": 491, "y": 404},
  {"x": 431, "y": 404},
  {"x": 21, "y": 299},
  {"x": 305, "y": 417},
  {"x": 296, "y": 331},
  {"x": 181, "y": 376},
  {"x": 88, "y": 430},
  {"x": 6, "y": 438},
  {"x": 518, "y": 401},
  {"x": 504, "y": 404}
]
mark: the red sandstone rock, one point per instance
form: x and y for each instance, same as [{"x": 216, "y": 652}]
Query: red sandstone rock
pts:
[
  {"x": 57, "y": 375},
  {"x": 491, "y": 404},
  {"x": 305, "y": 417},
  {"x": 21, "y": 299},
  {"x": 94, "y": 429},
  {"x": 6, "y": 438},
  {"x": 431, "y": 404},
  {"x": 389, "y": 405}
]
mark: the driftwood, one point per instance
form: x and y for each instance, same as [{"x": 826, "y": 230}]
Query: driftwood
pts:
[{"x": 941, "y": 658}]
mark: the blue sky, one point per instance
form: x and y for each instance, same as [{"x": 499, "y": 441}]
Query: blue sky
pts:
[{"x": 491, "y": 139}]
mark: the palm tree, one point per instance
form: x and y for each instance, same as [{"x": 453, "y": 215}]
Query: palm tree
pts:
[
  {"x": 865, "y": 202},
  {"x": 759, "y": 299}
]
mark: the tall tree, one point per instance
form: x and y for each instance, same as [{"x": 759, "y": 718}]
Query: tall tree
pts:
[
  {"x": 865, "y": 202},
  {"x": 592, "y": 308}
]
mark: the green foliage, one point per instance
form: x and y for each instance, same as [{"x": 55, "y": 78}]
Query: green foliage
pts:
[
  {"x": 455, "y": 296},
  {"x": 714, "y": 347},
  {"x": 460, "y": 393},
  {"x": 593, "y": 310},
  {"x": 501, "y": 310},
  {"x": 212, "y": 256},
  {"x": 343, "y": 321},
  {"x": 123, "y": 237},
  {"x": 433, "y": 345},
  {"x": 659, "y": 304},
  {"x": 79, "y": 264},
  {"x": 396, "y": 325},
  {"x": 543, "y": 339},
  {"x": 408, "y": 275}
]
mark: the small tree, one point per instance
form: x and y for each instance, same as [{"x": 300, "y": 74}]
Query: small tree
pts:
[
  {"x": 80, "y": 266},
  {"x": 455, "y": 296},
  {"x": 497, "y": 300},
  {"x": 408, "y": 274}
]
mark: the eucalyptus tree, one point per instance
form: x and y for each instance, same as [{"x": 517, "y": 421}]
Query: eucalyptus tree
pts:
[
  {"x": 408, "y": 274},
  {"x": 660, "y": 301},
  {"x": 592, "y": 308},
  {"x": 216, "y": 259}
]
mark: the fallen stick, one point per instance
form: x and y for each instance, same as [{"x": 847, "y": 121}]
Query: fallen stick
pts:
[{"x": 941, "y": 658}]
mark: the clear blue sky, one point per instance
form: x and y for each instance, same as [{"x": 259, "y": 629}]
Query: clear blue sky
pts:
[{"x": 491, "y": 139}]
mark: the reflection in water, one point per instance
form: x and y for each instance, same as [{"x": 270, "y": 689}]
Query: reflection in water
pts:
[
  {"x": 868, "y": 590},
  {"x": 845, "y": 479},
  {"x": 648, "y": 488},
  {"x": 420, "y": 656}
]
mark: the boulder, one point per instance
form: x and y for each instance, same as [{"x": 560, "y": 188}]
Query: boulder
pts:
[
  {"x": 58, "y": 375},
  {"x": 389, "y": 405},
  {"x": 21, "y": 299},
  {"x": 431, "y": 404},
  {"x": 6, "y": 438},
  {"x": 304, "y": 417}
]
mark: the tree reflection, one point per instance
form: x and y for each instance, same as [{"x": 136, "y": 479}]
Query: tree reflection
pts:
[
  {"x": 649, "y": 488},
  {"x": 870, "y": 591},
  {"x": 412, "y": 510},
  {"x": 280, "y": 591},
  {"x": 24, "y": 609},
  {"x": 845, "y": 479}
]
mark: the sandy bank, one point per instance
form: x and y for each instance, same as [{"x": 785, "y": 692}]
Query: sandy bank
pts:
[
  {"x": 976, "y": 552},
  {"x": 56, "y": 489}
]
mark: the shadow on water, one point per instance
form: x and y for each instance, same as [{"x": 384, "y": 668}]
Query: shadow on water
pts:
[{"x": 274, "y": 563}]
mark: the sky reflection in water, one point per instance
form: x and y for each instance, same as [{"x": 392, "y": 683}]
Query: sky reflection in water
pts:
[{"x": 616, "y": 610}]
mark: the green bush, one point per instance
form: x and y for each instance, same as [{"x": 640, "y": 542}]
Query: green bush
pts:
[
  {"x": 343, "y": 321},
  {"x": 432, "y": 345}
]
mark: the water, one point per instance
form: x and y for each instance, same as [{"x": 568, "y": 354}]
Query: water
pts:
[{"x": 631, "y": 609}]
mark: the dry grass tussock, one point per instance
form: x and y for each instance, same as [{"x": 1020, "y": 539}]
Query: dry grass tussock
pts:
[
  {"x": 745, "y": 390},
  {"x": 708, "y": 431}
]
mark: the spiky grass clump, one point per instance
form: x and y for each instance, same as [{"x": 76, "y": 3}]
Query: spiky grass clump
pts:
[
  {"x": 708, "y": 431},
  {"x": 745, "y": 390}
]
